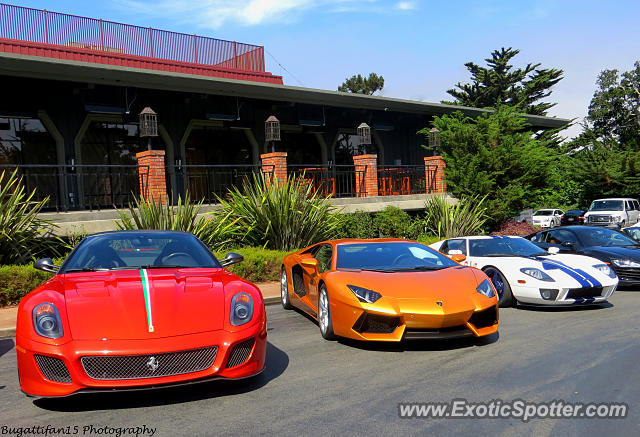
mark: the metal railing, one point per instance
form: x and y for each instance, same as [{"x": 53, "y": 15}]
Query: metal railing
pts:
[
  {"x": 45, "y": 27},
  {"x": 406, "y": 179},
  {"x": 332, "y": 180},
  {"x": 72, "y": 187},
  {"x": 208, "y": 182}
]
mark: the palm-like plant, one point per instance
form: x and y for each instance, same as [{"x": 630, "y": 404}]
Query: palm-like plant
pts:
[
  {"x": 185, "y": 217},
  {"x": 281, "y": 215},
  {"x": 446, "y": 220},
  {"x": 23, "y": 234}
]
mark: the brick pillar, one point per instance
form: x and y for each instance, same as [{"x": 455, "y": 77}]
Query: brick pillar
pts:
[
  {"x": 436, "y": 163},
  {"x": 153, "y": 185},
  {"x": 367, "y": 164},
  {"x": 275, "y": 164}
]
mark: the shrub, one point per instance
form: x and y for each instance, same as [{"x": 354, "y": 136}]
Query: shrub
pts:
[
  {"x": 23, "y": 235},
  {"x": 393, "y": 222},
  {"x": 279, "y": 215},
  {"x": 515, "y": 228},
  {"x": 150, "y": 214},
  {"x": 359, "y": 224},
  {"x": 259, "y": 264},
  {"x": 17, "y": 281},
  {"x": 448, "y": 221}
]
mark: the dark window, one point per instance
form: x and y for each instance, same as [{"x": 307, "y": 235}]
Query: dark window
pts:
[
  {"x": 460, "y": 245},
  {"x": 324, "y": 256},
  {"x": 560, "y": 236}
]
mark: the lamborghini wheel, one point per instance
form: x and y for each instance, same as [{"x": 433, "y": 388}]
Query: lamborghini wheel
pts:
[
  {"x": 324, "y": 314},
  {"x": 284, "y": 290},
  {"x": 500, "y": 283}
]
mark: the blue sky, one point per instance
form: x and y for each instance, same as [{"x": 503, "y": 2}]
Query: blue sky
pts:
[{"x": 419, "y": 46}]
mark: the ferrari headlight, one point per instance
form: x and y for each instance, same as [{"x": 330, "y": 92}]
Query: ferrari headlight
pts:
[
  {"x": 605, "y": 269},
  {"x": 46, "y": 321},
  {"x": 364, "y": 294},
  {"x": 625, "y": 263},
  {"x": 485, "y": 288},
  {"x": 241, "y": 309},
  {"x": 537, "y": 274}
]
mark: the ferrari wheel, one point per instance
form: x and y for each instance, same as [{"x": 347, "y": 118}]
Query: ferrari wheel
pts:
[
  {"x": 324, "y": 314},
  {"x": 284, "y": 290},
  {"x": 500, "y": 283}
]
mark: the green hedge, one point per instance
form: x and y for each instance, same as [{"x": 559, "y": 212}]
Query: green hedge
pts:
[
  {"x": 17, "y": 281},
  {"x": 259, "y": 265}
]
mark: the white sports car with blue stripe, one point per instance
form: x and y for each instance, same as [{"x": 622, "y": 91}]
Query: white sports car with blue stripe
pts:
[{"x": 523, "y": 273}]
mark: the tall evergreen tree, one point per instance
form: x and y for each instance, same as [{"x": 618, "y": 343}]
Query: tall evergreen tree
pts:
[{"x": 501, "y": 84}]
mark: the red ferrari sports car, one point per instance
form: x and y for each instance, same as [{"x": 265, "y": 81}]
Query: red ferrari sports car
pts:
[{"x": 134, "y": 309}]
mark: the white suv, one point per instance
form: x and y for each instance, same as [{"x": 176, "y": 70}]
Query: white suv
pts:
[
  {"x": 615, "y": 212},
  {"x": 547, "y": 218}
]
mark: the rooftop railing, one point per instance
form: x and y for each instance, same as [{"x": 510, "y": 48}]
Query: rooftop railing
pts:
[{"x": 45, "y": 27}]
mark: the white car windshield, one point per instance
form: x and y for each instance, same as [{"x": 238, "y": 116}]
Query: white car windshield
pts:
[
  {"x": 607, "y": 205},
  {"x": 543, "y": 212}
]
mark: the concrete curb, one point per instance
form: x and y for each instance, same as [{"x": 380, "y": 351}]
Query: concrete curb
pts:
[
  {"x": 7, "y": 332},
  {"x": 11, "y": 332}
]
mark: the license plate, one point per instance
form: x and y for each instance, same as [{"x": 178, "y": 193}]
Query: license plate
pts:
[{"x": 571, "y": 219}]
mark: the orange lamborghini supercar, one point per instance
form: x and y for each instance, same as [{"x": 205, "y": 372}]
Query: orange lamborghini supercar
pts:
[{"x": 388, "y": 290}]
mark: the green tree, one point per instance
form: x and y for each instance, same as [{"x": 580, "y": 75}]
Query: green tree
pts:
[
  {"x": 495, "y": 156},
  {"x": 604, "y": 160},
  {"x": 501, "y": 84},
  {"x": 362, "y": 85}
]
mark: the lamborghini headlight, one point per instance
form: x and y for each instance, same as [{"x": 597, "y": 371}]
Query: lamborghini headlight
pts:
[
  {"x": 625, "y": 263},
  {"x": 485, "y": 288},
  {"x": 364, "y": 294},
  {"x": 537, "y": 274},
  {"x": 46, "y": 321},
  {"x": 606, "y": 270},
  {"x": 241, "y": 309}
]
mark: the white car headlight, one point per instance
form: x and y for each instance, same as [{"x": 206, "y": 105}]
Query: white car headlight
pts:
[
  {"x": 241, "y": 309},
  {"x": 606, "y": 270},
  {"x": 46, "y": 321},
  {"x": 364, "y": 294},
  {"x": 625, "y": 263},
  {"x": 485, "y": 288},
  {"x": 537, "y": 274}
]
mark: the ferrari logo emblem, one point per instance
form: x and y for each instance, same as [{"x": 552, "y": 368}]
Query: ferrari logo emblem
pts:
[
  {"x": 152, "y": 364},
  {"x": 439, "y": 302}
]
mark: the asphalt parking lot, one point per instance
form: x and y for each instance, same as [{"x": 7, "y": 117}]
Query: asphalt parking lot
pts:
[{"x": 312, "y": 386}]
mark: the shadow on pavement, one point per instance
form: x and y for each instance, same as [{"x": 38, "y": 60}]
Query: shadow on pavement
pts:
[
  {"x": 277, "y": 361},
  {"x": 6, "y": 344},
  {"x": 564, "y": 308}
]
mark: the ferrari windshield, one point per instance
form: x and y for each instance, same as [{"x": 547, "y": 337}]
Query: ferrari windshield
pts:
[
  {"x": 139, "y": 249},
  {"x": 503, "y": 246},
  {"x": 604, "y": 237},
  {"x": 390, "y": 257}
]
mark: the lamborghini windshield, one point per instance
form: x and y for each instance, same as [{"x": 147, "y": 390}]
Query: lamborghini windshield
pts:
[
  {"x": 503, "y": 246},
  {"x": 139, "y": 249},
  {"x": 390, "y": 257}
]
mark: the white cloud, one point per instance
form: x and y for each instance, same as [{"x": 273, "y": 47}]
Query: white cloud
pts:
[
  {"x": 215, "y": 13},
  {"x": 406, "y": 6}
]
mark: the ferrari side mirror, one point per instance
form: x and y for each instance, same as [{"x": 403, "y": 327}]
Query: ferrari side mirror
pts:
[
  {"x": 553, "y": 250},
  {"x": 231, "y": 258},
  {"x": 46, "y": 265}
]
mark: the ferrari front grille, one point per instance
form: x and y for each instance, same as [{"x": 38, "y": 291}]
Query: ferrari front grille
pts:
[
  {"x": 110, "y": 367},
  {"x": 53, "y": 369},
  {"x": 484, "y": 318},
  {"x": 240, "y": 353},
  {"x": 376, "y": 324},
  {"x": 580, "y": 293}
]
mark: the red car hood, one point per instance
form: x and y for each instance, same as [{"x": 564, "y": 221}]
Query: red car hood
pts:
[{"x": 111, "y": 305}]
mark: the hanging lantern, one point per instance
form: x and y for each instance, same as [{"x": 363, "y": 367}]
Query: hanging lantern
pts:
[
  {"x": 434, "y": 139},
  {"x": 148, "y": 123},
  {"x": 272, "y": 129},
  {"x": 364, "y": 132}
]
